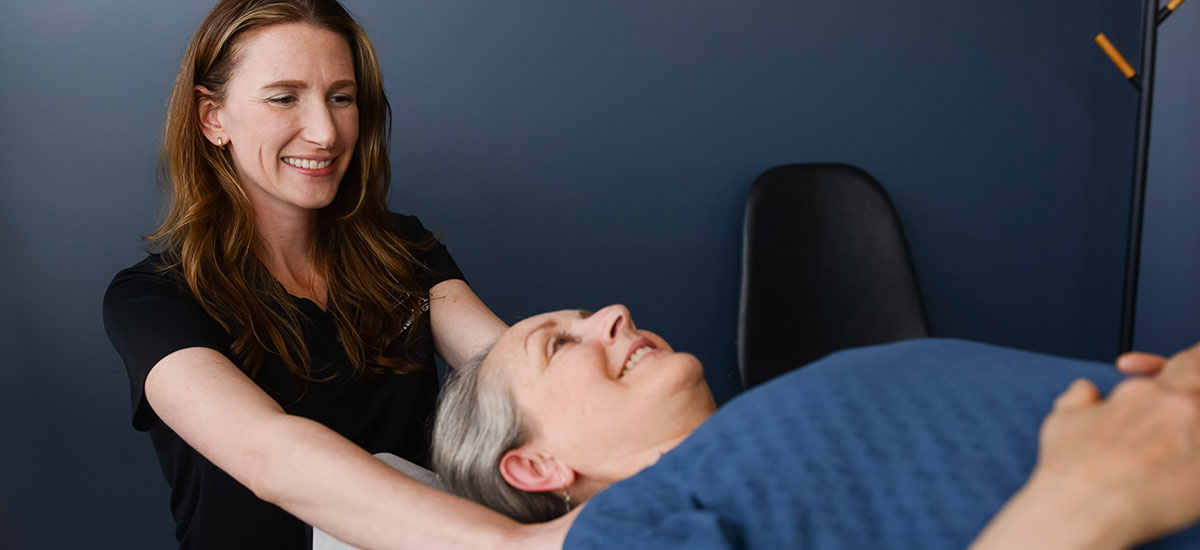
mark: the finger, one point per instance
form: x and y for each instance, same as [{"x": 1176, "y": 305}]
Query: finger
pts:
[
  {"x": 1138, "y": 363},
  {"x": 1081, "y": 393},
  {"x": 1182, "y": 372}
]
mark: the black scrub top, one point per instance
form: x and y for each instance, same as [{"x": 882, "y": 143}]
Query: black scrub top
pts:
[{"x": 149, "y": 314}]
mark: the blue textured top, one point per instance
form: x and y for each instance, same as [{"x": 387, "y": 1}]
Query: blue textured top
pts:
[{"x": 910, "y": 445}]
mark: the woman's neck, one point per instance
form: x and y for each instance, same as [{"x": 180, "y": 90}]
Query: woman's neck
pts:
[{"x": 286, "y": 246}]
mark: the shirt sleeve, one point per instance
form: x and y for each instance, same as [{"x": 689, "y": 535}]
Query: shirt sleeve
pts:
[
  {"x": 149, "y": 315},
  {"x": 440, "y": 265}
]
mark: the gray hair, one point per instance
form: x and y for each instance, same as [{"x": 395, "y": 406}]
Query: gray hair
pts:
[{"x": 477, "y": 422}]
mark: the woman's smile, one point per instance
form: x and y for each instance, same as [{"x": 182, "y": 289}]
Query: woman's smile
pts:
[
  {"x": 311, "y": 167},
  {"x": 639, "y": 351}
]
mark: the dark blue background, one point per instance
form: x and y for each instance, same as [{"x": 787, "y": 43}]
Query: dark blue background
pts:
[{"x": 575, "y": 154}]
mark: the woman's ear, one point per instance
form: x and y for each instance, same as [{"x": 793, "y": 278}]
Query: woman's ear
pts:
[
  {"x": 533, "y": 471},
  {"x": 210, "y": 123}
]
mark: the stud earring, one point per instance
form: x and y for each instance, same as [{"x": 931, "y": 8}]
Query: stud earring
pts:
[
  {"x": 566, "y": 492},
  {"x": 220, "y": 143}
]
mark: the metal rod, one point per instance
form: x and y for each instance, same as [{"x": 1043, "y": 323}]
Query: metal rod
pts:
[
  {"x": 1167, "y": 10},
  {"x": 1141, "y": 156}
]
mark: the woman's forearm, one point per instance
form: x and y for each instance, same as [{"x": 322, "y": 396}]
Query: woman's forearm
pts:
[
  {"x": 310, "y": 470},
  {"x": 330, "y": 483},
  {"x": 1044, "y": 514}
]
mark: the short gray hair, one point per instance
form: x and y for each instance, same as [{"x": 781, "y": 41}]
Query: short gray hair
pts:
[{"x": 477, "y": 422}]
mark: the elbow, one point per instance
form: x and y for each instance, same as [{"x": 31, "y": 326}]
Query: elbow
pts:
[
  {"x": 266, "y": 472},
  {"x": 263, "y": 478},
  {"x": 263, "y": 487},
  {"x": 281, "y": 469}
]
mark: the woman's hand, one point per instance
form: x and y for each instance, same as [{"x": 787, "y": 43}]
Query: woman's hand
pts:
[
  {"x": 1133, "y": 458},
  {"x": 1112, "y": 472}
]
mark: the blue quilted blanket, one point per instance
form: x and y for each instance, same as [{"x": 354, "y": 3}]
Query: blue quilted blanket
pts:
[{"x": 910, "y": 445}]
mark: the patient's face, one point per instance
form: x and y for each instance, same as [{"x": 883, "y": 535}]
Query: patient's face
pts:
[{"x": 596, "y": 390}]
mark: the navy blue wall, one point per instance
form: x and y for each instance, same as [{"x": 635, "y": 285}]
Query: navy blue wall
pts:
[{"x": 578, "y": 154}]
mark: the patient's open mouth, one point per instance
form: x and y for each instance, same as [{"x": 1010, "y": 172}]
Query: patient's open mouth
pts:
[{"x": 640, "y": 350}]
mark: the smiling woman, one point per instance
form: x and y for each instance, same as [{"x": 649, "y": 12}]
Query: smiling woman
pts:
[
  {"x": 570, "y": 356},
  {"x": 908, "y": 445},
  {"x": 285, "y": 324},
  {"x": 288, "y": 116},
  {"x": 580, "y": 389}
]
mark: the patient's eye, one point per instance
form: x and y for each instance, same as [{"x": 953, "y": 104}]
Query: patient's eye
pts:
[{"x": 559, "y": 340}]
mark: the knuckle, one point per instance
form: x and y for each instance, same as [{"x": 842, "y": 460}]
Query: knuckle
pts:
[
  {"x": 1133, "y": 388},
  {"x": 1185, "y": 362},
  {"x": 1182, "y": 406}
]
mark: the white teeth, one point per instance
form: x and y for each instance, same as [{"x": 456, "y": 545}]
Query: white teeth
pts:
[
  {"x": 637, "y": 356},
  {"x": 309, "y": 164}
]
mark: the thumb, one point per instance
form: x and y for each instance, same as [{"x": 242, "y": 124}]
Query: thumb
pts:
[
  {"x": 1138, "y": 363},
  {"x": 1082, "y": 392}
]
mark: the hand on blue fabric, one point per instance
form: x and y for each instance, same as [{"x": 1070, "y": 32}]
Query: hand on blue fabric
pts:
[
  {"x": 1133, "y": 457},
  {"x": 1112, "y": 472}
]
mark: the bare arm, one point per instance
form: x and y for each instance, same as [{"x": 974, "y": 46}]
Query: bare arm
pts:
[
  {"x": 462, "y": 325},
  {"x": 314, "y": 473}
]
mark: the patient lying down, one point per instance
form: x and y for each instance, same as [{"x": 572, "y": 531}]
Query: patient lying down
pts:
[{"x": 911, "y": 445}]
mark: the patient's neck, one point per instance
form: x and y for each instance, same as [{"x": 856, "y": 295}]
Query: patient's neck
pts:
[{"x": 618, "y": 468}]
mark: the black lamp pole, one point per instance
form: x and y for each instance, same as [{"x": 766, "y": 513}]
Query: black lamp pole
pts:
[{"x": 1151, "y": 19}]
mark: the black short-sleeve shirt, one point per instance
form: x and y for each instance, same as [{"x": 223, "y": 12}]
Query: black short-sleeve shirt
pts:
[{"x": 149, "y": 314}]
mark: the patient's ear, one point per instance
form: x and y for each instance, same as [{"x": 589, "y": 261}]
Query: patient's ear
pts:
[{"x": 534, "y": 471}]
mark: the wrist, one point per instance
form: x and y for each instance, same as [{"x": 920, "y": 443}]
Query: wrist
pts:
[
  {"x": 1056, "y": 512},
  {"x": 550, "y": 535}
]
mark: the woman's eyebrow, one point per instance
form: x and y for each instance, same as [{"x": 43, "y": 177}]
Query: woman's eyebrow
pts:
[
  {"x": 302, "y": 85},
  {"x": 289, "y": 84},
  {"x": 583, "y": 314},
  {"x": 547, "y": 324}
]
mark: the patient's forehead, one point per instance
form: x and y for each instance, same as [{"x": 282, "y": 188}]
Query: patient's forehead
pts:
[
  {"x": 508, "y": 347},
  {"x": 511, "y": 346}
]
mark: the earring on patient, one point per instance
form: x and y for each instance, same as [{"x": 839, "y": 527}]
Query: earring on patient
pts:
[
  {"x": 220, "y": 143},
  {"x": 566, "y": 493}
]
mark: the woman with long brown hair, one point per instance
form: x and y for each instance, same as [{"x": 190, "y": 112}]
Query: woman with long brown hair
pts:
[{"x": 284, "y": 326}]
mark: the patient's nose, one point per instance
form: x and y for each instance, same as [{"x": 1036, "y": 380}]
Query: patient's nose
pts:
[{"x": 611, "y": 321}]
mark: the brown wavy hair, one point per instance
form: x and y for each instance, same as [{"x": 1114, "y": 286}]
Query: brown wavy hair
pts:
[{"x": 209, "y": 237}]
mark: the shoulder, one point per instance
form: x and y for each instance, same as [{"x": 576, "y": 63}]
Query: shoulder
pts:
[
  {"x": 149, "y": 277},
  {"x": 150, "y": 302},
  {"x": 149, "y": 292},
  {"x": 408, "y": 228},
  {"x": 426, "y": 249}
]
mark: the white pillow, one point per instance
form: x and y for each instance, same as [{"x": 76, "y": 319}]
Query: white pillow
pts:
[{"x": 322, "y": 540}]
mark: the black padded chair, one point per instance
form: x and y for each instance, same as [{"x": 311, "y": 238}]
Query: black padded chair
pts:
[{"x": 825, "y": 267}]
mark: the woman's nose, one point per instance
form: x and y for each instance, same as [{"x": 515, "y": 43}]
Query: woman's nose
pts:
[
  {"x": 319, "y": 128},
  {"x": 612, "y": 321}
]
